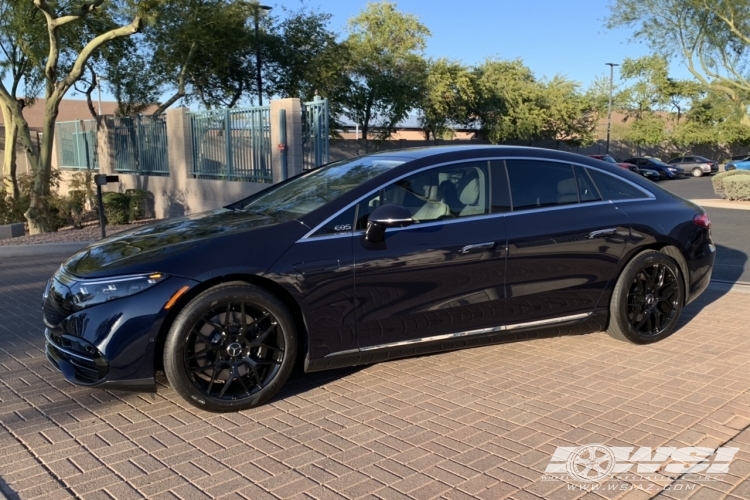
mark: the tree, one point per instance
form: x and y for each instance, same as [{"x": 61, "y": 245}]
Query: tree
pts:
[
  {"x": 304, "y": 57},
  {"x": 711, "y": 37},
  {"x": 569, "y": 116},
  {"x": 21, "y": 48},
  {"x": 447, "y": 99},
  {"x": 386, "y": 69},
  {"x": 57, "y": 81},
  {"x": 508, "y": 104},
  {"x": 714, "y": 118}
]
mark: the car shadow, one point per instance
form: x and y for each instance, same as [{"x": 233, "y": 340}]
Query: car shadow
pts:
[
  {"x": 5, "y": 490},
  {"x": 301, "y": 382},
  {"x": 728, "y": 269}
]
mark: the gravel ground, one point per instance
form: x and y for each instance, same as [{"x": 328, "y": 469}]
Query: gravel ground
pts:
[{"x": 90, "y": 232}]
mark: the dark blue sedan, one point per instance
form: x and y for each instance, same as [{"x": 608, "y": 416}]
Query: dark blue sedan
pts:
[
  {"x": 373, "y": 258},
  {"x": 665, "y": 170}
]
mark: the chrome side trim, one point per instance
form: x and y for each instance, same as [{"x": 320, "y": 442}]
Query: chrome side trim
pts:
[{"x": 530, "y": 324}]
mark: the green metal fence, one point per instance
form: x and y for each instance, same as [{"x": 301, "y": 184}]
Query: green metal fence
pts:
[
  {"x": 232, "y": 144},
  {"x": 140, "y": 144},
  {"x": 76, "y": 144},
  {"x": 315, "y": 150}
]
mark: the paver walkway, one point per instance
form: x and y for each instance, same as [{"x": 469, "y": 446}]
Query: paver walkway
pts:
[{"x": 480, "y": 423}]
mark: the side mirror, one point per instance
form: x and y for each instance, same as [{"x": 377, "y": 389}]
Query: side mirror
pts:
[{"x": 384, "y": 216}]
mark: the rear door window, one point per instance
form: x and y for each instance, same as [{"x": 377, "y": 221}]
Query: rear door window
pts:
[
  {"x": 539, "y": 183},
  {"x": 612, "y": 188}
]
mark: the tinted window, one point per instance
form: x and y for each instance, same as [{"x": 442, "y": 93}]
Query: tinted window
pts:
[
  {"x": 304, "y": 194},
  {"x": 586, "y": 189},
  {"x": 677, "y": 160},
  {"x": 538, "y": 183},
  {"x": 612, "y": 188},
  {"x": 500, "y": 191},
  {"x": 342, "y": 223},
  {"x": 447, "y": 192}
]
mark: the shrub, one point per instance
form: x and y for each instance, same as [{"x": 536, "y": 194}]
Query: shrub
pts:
[
  {"x": 72, "y": 207},
  {"x": 718, "y": 180},
  {"x": 737, "y": 188},
  {"x": 12, "y": 209},
  {"x": 138, "y": 203},
  {"x": 116, "y": 208}
]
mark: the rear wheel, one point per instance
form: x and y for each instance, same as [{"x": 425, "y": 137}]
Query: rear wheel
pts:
[
  {"x": 647, "y": 300},
  {"x": 231, "y": 348},
  {"x": 662, "y": 175},
  {"x": 697, "y": 172}
]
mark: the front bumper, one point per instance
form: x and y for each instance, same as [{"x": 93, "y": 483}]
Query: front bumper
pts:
[{"x": 110, "y": 345}]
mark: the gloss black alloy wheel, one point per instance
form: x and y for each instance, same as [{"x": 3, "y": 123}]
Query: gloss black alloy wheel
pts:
[
  {"x": 231, "y": 348},
  {"x": 647, "y": 300}
]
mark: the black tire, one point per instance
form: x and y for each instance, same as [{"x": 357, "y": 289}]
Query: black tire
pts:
[
  {"x": 647, "y": 299},
  {"x": 662, "y": 175},
  {"x": 231, "y": 348}
]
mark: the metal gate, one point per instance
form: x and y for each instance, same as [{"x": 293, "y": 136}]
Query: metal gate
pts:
[
  {"x": 232, "y": 144},
  {"x": 315, "y": 133},
  {"x": 140, "y": 144},
  {"x": 76, "y": 144}
]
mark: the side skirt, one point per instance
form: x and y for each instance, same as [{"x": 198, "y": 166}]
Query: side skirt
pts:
[{"x": 592, "y": 323}]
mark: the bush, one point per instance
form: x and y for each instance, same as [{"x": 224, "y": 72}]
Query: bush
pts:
[
  {"x": 738, "y": 188},
  {"x": 12, "y": 209},
  {"x": 718, "y": 180},
  {"x": 116, "y": 208},
  {"x": 72, "y": 207},
  {"x": 138, "y": 203}
]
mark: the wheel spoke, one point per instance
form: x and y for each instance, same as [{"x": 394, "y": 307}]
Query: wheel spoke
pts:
[
  {"x": 201, "y": 354},
  {"x": 215, "y": 326},
  {"x": 272, "y": 348},
  {"x": 228, "y": 382},
  {"x": 226, "y": 317},
  {"x": 205, "y": 368},
  {"x": 242, "y": 383},
  {"x": 244, "y": 317},
  {"x": 213, "y": 377}
]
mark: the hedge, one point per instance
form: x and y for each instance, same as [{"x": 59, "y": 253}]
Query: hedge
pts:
[
  {"x": 116, "y": 208},
  {"x": 719, "y": 180},
  {"x": 737, "y": 188}
]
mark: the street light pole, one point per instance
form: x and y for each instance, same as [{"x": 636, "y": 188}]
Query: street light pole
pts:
[
  {"x": 258, "y": 8},
  {"x": 609, "y": 114}
]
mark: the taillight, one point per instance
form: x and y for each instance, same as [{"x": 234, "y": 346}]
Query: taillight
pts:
[{"x": 702, "y": 220}]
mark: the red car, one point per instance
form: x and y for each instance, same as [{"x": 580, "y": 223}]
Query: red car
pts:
[{"x": 609, "y": 159}]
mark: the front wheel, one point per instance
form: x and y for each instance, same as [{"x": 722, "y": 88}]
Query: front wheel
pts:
[
  {"x": 647, "y": 300},
  {"x": 697, "y": 172},
  {"x": 231, "y": 348}
]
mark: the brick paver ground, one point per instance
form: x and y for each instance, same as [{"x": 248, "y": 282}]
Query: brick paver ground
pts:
[{"x": 478, "y": 423}]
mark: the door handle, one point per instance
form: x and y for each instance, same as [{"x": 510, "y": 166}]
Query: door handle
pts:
[
  {"x": 602, "y": 232},
  {"x": 477, "y": 247}
]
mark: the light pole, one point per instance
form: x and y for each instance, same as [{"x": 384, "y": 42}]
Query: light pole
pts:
[
  {"x": 258, "y": 8},
  {"x": 609, "y": 114}
]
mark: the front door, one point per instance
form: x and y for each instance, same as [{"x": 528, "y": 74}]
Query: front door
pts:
[{"x": 440, "y": 277}]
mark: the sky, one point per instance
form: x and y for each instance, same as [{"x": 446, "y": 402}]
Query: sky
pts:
[{"x": 566, "y": 37}]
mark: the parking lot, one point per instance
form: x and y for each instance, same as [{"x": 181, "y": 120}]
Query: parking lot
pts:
[{"x": 480, "y": 423}]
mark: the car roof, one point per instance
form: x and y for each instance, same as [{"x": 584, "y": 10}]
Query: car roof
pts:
[{"x": 478, "y": 150}]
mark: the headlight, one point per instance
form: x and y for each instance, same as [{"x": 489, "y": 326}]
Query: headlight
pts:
[
  {"x": 91, "y": 292},
  {"x": 673, "y": 170}
]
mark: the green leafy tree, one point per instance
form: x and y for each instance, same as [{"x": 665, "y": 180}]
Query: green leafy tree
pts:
[
  {"x": 21, "y": 50},
  {"x": 508, "y": 103},
  {"x": 569, "y": 115},
  {"x": 712, "y": 38},
  {"x": 448, "y": 98},
  {"x": 387, "y": 70},
  {"x": 58, "y": 80}
]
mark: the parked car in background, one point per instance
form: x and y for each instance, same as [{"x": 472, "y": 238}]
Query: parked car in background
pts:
[
  {"x": 609, "y": 159},
  {"x": 738, "y": 163},
  {"x": 697, "y": 165},
  {"x": 665, "y": 171},
  {"x": 649, "y": 173},
  {"x": 374, "y": 258}
]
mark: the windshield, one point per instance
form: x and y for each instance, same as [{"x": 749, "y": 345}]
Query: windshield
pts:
[
  {"x": 308, "y": 192},
  {"x": 608, "y": 159}
]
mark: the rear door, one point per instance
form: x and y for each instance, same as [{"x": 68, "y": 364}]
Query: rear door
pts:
[{"x": 564, "y": 242}]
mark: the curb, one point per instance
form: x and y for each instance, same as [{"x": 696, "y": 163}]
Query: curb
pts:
[
  {"x": 729, "y": 205},
  {"x": 68, "y": 247}
]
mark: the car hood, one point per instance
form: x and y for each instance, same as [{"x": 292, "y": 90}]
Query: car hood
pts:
[{"x": 193, "y": 246}]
